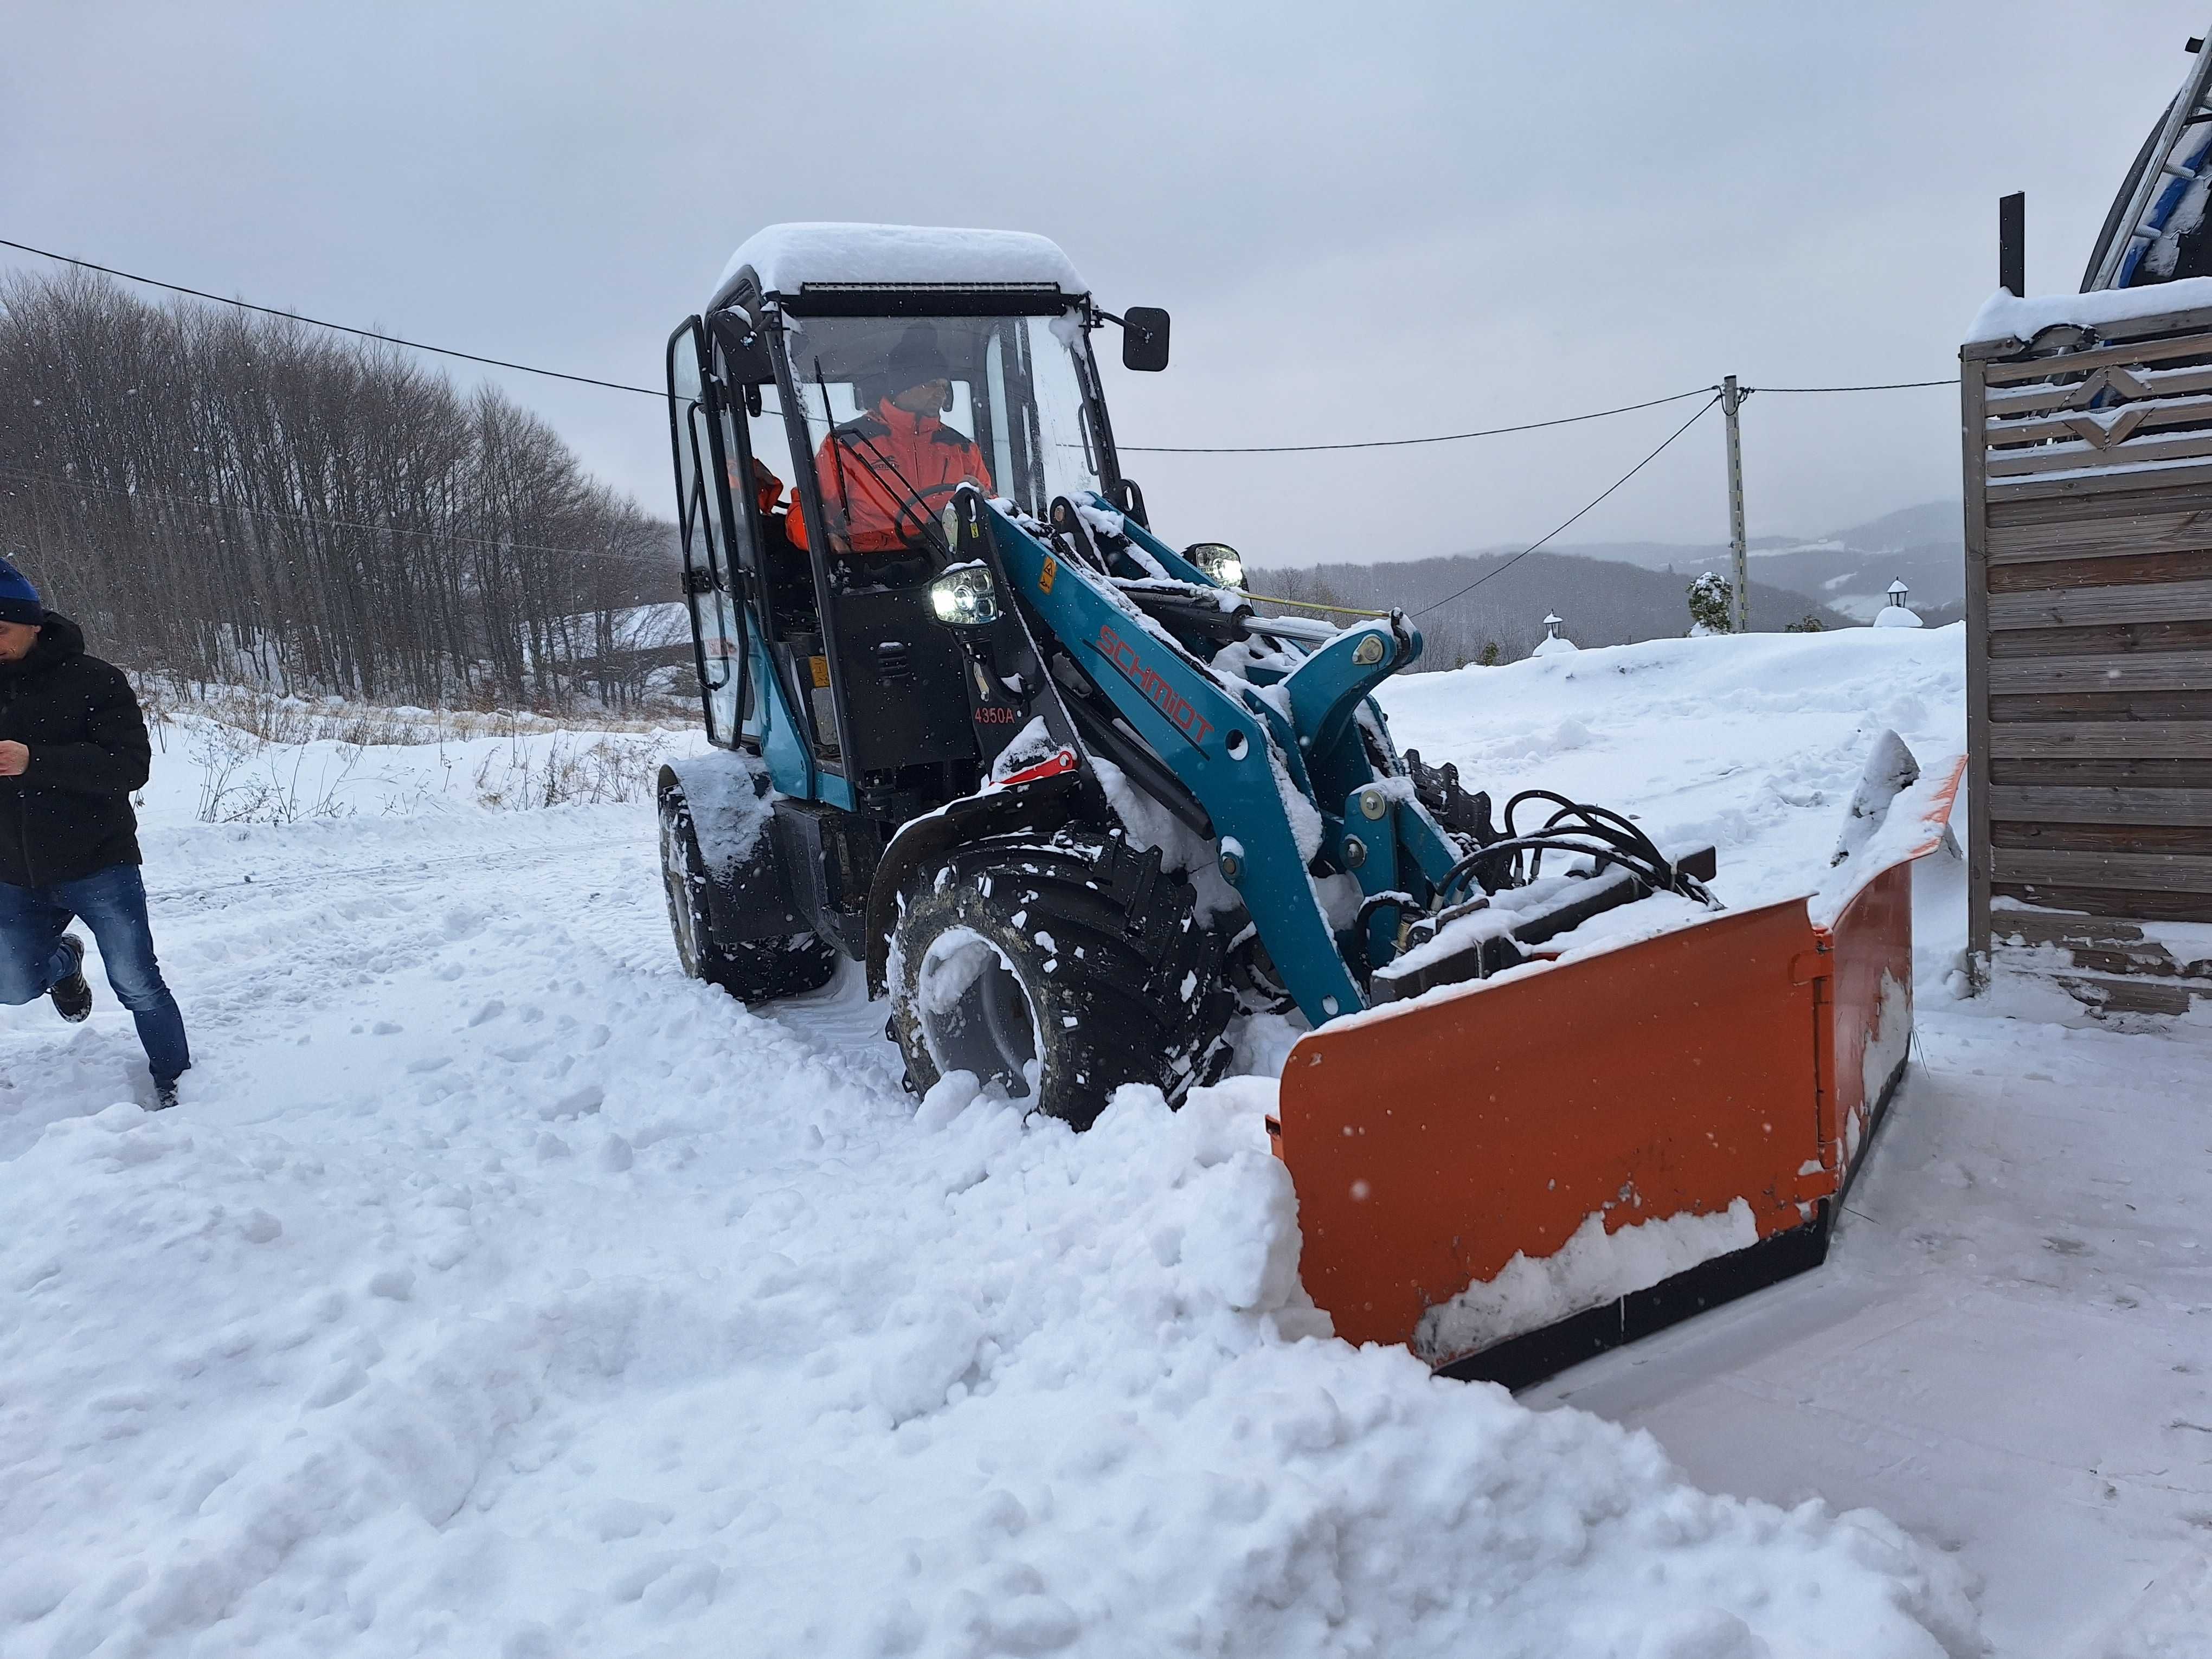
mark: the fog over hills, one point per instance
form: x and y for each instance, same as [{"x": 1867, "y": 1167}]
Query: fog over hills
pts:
[
  {"x": 1849, "y": 569},
  {"x": 1604, "y": 602},
  {"x": 1613, "y": 593}
]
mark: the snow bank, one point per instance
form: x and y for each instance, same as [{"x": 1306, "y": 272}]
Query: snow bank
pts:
[
  {"x": 218, "y": 767},
  {"x": 788, "y": 256},
  {"x": 1754, "y": 742},
  {"x": 475, "y": 1381},
  {"x": 498, "y": 1290}
]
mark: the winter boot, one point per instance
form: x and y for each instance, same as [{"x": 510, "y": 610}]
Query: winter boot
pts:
[
  {"x": 71, "y": 994},
  {"x": 165, "y": 1093}
]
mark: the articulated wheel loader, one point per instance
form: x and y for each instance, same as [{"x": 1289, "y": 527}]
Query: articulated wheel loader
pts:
[{"x": 1077, "y": 805}]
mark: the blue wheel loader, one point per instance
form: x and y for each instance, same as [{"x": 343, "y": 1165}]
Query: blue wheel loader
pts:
[{"x": 1076, "y": 804}]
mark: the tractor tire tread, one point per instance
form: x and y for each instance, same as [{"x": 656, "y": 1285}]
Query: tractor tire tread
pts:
[{"x": 1129, "y": 989}]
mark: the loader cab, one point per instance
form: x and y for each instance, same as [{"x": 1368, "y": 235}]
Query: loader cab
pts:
[{"x": 816, "y": 646}]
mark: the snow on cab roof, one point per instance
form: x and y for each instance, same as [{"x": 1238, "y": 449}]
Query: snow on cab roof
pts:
[
  {"x": 786, "y": 257},
  {"x": 2006, "y": 317}
]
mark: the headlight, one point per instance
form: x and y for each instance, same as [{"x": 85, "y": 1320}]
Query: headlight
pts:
[
  {"x": 964, "y": 598},
  {"x": 1219, "y": 561}
]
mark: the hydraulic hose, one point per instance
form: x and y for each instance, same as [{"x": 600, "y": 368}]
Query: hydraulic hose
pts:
[
  {"x": 1375, "y": 902},
  {"x": 1576, "y": 830},
  {"x": 1659, "y": 874}
]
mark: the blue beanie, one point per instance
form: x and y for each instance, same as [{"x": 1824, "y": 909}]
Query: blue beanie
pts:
[{"x": 18, "y": 600}]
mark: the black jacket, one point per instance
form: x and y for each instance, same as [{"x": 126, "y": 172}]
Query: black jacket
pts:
[{"x": 70, "y": 813}]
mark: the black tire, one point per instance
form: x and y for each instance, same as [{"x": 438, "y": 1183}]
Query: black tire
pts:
[
  {"x": 751, "y": 970},
  {"x": 1058, "y": 968}
]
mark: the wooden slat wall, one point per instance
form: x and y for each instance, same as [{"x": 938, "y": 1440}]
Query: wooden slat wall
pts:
[{"x": 2088, "y": 487}]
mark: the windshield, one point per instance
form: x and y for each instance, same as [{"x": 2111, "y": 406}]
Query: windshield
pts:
[{"x": 921, "y": 404}]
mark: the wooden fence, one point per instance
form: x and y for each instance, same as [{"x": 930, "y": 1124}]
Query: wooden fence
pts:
[{"x": 2088, "y": 493}]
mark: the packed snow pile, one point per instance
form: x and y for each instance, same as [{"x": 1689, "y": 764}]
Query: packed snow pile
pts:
[
  {"x": 1592, "y": 1268},
  {"x": 1553, "y": 643},
  {"x": 1897, "y": 613},
  {"x": 498, "y": 1290}
]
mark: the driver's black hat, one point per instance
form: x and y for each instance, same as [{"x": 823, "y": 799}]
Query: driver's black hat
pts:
[{"x": 915, "y": 361}]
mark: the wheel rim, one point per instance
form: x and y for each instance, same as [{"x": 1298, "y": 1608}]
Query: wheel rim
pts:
[{"x": 975, "y": 1014}]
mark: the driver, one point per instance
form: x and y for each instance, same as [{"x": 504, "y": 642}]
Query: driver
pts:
[{"x": 887, "y": 474}]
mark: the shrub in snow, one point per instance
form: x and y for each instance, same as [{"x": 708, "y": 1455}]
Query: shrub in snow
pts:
[
  {"x": 565, "y": 773},
  {"x": 1712, "y": 603}
]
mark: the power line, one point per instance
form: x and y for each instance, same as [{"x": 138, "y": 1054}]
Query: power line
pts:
[
  {"x": 1400, "y": 443},
  {"x": 1132, "y": 449},
  {"x": 1884, "y": 385},
  {"x": 1500, "y": 569},
  {"x": 341, "y": 328}
]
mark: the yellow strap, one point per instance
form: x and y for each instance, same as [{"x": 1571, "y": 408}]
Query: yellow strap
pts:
[{"x": 1302, "y": 605}]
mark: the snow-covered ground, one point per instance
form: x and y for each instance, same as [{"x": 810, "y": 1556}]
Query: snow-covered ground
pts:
[
  {"x": 496, "y": 1290},
  {"x": 2007, "y": 1352}
]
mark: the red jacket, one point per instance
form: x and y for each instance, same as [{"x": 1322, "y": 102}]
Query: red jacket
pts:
[{"x": 886, "y": 475}]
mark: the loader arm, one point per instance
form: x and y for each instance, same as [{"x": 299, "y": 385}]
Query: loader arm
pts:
[
  {"x": 1373, "y": 824},
  {"x": 1251, "y": 755}
]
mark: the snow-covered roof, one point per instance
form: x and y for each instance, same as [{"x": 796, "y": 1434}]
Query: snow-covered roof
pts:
[
  {"x": 2007, "y": 317},
  {"x": 786, "y": 257}
]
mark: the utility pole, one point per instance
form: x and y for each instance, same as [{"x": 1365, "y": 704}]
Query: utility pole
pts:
[{"x": 1732, "y": 400}]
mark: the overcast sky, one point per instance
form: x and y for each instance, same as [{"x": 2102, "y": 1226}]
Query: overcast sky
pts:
[{"x": 1367, "y": 222}]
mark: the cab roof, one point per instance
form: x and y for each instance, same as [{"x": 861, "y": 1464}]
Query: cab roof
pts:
[{"x": 787, "y": 259}]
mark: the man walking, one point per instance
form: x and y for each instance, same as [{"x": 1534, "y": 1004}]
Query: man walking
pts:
[{"x": 72, "y": 748}]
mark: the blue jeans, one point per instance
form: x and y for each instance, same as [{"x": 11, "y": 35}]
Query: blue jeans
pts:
[{"x": 113, "y": 903}]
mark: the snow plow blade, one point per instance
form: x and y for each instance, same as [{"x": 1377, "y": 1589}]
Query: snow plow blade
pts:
[{"x": 1515, "y": 1174}]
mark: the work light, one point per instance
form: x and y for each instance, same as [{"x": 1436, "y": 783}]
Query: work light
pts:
[{"x": 964, "y": 598}]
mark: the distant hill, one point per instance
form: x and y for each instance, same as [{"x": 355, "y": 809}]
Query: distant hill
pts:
[
  {"x": 1637, "y": 591},
  {"x": 1604, "y": 602},
  {"x": 1923, "y": 546},
  {"x": 1909, "y": 526}
]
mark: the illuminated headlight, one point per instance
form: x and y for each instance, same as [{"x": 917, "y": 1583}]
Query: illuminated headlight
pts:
[
  {"x": 964, "y": 598},
  {"x": 1219, "y": 562}
]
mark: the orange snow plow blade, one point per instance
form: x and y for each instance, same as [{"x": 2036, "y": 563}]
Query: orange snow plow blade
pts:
[{"x": 1513, "y": 1174}]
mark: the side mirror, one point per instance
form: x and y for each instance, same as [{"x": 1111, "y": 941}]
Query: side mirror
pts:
[
  {"x": 1145, "y": 339},
  {"x": 743, "y": 351},
  {"x": 1219, "y": 561}
]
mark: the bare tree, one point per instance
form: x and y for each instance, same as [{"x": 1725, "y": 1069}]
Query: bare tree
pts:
[{"x": 224, "y": 496}]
